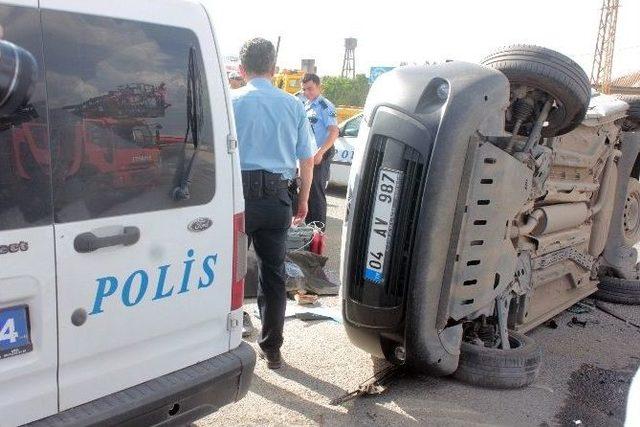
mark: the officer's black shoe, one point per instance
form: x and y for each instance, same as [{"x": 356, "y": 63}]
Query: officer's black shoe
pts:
[
  {"x": 247, "y": 325},
  {"x": 274, "y": 359}
]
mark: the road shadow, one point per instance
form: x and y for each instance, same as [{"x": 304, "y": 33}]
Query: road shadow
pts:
[
  {"x": 322, "y": 387},
  {"x": 319, "y": 413}
]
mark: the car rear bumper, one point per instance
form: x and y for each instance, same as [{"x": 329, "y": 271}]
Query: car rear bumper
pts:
[{"x": 177, "y": 398}]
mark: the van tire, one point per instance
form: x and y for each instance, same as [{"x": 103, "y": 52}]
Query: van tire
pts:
[
  {"x": 551, "y": 72},
  {"x": 619, "y": 291},
  {"x": 498, "y": 368}
]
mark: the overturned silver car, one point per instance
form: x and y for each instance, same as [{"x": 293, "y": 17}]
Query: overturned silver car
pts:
[{"x": 486, "y": 199}]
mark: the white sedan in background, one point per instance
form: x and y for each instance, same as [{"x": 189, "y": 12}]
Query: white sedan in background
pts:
[{"x": 344, "y": 145}]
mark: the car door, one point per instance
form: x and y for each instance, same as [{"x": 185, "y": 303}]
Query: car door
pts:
[
  {"x": 345, "y": 144},
  {"x": 344, "y": 150},
  {"x": 144, "y": 271},
  {"x": 28, "y": 340}
]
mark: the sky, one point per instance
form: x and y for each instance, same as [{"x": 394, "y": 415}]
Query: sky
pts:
[{"x": 391, "y": 32}]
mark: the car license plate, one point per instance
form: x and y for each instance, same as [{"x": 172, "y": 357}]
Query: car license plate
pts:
[
  {"x": 14, "y": 331},
  {"x": 384, "y": 207}
]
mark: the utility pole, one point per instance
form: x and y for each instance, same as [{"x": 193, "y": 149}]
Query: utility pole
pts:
[
  {"x": 277, "y": 50},
  {"x": 603, "y": 55}
]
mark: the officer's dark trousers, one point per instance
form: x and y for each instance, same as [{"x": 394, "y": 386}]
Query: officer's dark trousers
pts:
[
  {"x": 266, "y": 223},
  {"x": 317, "y": 195}
]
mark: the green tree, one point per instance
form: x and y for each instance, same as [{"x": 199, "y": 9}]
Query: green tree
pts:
[{"x": 344, "y": 91}]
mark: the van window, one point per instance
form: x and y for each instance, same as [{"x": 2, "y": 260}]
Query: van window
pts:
[
  {"x": 25, "y": 160},
  {"x": 121, "y": 97}
]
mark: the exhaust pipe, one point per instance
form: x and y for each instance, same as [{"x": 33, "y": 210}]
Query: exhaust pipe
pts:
[{"x": 552, "y": 218}]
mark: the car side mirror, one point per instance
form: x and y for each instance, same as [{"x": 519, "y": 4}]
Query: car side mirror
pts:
[
  {"x": 351, "y": 132},
  {"x": 18, "y": 74}
]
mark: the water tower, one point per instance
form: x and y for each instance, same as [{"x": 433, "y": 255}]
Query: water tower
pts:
[
  {"x": 308, "y": 66},
  {"x": 349, "y": 62}
]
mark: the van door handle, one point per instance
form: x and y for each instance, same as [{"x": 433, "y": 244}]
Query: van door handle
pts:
[{"x": 89, "y": 242}]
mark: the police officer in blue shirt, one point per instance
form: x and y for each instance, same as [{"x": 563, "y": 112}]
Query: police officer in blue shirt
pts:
[
  {"x": 273, "y": 138},
  {"x": 322, "y": 116}
]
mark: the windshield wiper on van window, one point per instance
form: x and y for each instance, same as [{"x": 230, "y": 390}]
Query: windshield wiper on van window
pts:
[{"x": 194, "y": 118}]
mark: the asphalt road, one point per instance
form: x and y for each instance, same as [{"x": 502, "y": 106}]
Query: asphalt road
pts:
[{"x": 583, "y": 380}]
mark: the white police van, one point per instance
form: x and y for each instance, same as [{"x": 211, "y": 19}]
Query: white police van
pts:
[{"x": 121, "y": 216}]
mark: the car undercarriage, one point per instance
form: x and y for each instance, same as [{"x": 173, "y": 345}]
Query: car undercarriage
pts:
[{"x": 516, "y": 195}]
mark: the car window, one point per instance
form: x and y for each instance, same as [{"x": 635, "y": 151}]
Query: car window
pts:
[
  {"x": 25, "y": 159},
  {"x": 119, "y": 94},
  {"x": 352, "y": 126}
]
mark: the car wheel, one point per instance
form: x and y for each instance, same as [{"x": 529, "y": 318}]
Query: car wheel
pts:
[
  {"x": 499, "y": 368},
  {"x": 619, "y": 291},
  {"x": 538, "y": 68},
  {"x": 631, "y": 214}
]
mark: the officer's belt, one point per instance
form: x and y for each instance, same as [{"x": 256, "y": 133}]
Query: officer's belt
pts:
[{"x": 259, "y": 184}]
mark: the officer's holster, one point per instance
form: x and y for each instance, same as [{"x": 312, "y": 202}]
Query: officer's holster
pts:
[{"x": 260, "y": 184}]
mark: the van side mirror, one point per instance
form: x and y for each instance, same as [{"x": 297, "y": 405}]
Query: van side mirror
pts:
[
  {"x": 18, "y": 74},
  {"x": 341, "y": 131}
]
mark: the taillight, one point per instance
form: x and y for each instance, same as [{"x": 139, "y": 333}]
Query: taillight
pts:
[{"x": 240, "y": 243}]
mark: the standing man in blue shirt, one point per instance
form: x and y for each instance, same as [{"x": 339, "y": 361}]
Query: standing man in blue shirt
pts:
[
  {"x": 273, "y": 137},
  {"x": 322, "y": 116}
]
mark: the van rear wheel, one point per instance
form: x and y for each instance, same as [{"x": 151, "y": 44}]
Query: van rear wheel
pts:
[{"x": 499, "y": 368}]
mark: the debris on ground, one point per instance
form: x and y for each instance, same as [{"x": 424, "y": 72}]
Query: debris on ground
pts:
[
  {"x": 597, "y": 396},
  {"x": 319, "y": 313},
  {"x": 304, "y": 271},
  {"x": 373, "y": 386},
  {"x": 575, "y": 321},
  {"x": 294, "y": 276},
  {"x": 315, "y": 278},
  {"x": 307, "y": 313},
  {"x": 551, "y": 324},
  {"x": 580, "y": 308},
  {"x": 603, "y": 307},
  {"x": 303, "y": 298}
]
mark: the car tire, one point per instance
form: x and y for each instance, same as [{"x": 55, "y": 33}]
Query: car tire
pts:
[
  {"x": 632, "y": 122},
  {"x": 551, "y": 72},
  {"x": 631, "y": 214},
  {"x": 619, "y": 291},
  {"x": 498, "y": 368}
]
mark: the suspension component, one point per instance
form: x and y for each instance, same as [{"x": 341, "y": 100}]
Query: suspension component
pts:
[
  {"x": 520, "y": 111},
  {"x": 486, "y": 332},
  {"x": 502, "y": 307},
  {"x": 534, "y": 136}
]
